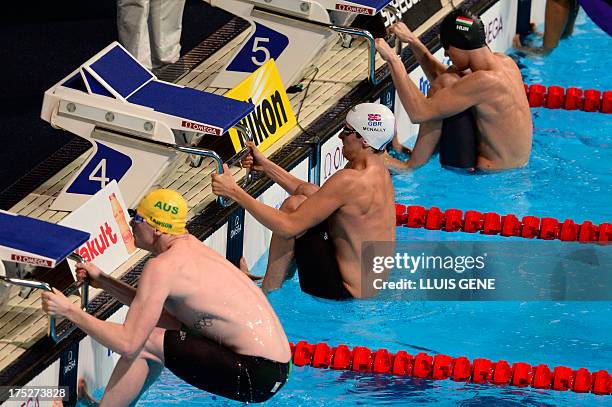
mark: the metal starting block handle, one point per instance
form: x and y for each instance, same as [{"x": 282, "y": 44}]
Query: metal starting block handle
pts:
[
  {"x": 359, "y": 32},
  {"x": 71, "y": 289},
  {"x": 243, "y": 130}
]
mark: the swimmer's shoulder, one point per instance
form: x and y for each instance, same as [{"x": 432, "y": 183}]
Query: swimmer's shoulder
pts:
[
  {"x": 505, "y": 59},
  {"x": 344, "y": 179},
  {"x": 356, "y": 181},
  {"x": 346, "y": 174},
  {"x": 157, "y": 265}
]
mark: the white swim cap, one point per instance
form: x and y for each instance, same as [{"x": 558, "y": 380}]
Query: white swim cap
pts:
[{"x": 374, "y": 122}]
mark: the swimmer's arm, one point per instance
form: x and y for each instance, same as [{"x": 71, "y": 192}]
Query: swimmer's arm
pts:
[
  {"x": 282, "y": 177},
  {"x": 430, "y": 64},
  {"x": 468, "y": 91},
  {"x": 429, "y": 136},
  {"x": 125, "y": 293},
  {"x": 318, "y": 207},
  {"x": 128, "y": 338},
  {"x": 410, "y": 96},
  {"x": 396, "y": 166}
]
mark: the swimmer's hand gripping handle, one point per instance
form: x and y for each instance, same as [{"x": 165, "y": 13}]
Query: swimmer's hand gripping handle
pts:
[
  {"x": 245, "y": 132},
  {"x": 38, "y": 285},
  {"x": 372, "y": 45},
  {"x": 83, "y": 285}
]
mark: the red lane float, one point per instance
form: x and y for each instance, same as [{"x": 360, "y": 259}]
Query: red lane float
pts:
[
  {"x": 441, "y": 367},
  {"x": 555, "y": 97},
  {"x": 491, "y": 223}
]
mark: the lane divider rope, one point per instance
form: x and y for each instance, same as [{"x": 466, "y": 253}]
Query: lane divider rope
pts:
[
  {"x": 555, "y": 97},
  {"x": 441, "y": 367},
  {"x": 491, "y": 223}
]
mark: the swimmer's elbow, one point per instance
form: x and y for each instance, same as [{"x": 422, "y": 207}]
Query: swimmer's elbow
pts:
[
  {"x": 417, "y": 118},
  {"x": 422, "y": 115},
  {"x": 130, "y": 348},
  {"x": 284, "y": 228},
  {"x": 130, "y": 351},
  {"x": 289, "y": 231}
]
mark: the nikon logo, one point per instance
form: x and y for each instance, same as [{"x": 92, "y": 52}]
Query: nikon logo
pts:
[{"x": 266, "y": 119}]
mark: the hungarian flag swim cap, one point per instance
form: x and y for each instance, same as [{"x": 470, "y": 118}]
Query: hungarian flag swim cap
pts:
[
  {"x": 165, "y": 210},
  {"x": 461, "y": 29}
]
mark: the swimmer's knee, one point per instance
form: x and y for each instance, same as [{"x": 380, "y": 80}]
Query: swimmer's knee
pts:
[
  {"x": 442, "y": 81},
  {"x": 306, "y": 189},
  {"x": 292, "y": 203},
  {"x": 154, "y": 346}
]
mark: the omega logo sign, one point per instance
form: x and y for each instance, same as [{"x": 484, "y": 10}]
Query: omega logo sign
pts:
[{"x": 493, "y": 29}]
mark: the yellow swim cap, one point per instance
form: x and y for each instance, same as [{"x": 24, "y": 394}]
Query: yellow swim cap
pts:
[{"x": 165, "y": 210}]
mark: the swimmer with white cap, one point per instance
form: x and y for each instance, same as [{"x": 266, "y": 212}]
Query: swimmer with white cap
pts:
[
  {"x": 323, "y": 228},
  {"x": 193, "y": 312},
  {"x": 476, "y": 111}
]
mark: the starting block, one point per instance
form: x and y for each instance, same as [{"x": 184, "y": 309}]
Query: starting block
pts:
[
  {"x": 34, "y": 242},
  {"x": 147, "y": 122},
  {"x": 294, "y": 33}
]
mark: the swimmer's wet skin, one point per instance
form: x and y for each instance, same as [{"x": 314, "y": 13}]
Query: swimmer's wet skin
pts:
[
  {"x": 323, "y": 227},
  {"x": 209, "y": 323},
  {"x": 476, "y": 110}
]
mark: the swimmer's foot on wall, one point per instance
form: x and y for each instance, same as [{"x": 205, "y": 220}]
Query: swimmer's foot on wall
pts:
[
  {"x": 399, "y": 147},
  {"x": 245, "y": 269},
  {"x": 83, "y": 394}
]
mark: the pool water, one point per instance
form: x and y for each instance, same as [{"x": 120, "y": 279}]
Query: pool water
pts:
[{"x": 568, "y": 176}]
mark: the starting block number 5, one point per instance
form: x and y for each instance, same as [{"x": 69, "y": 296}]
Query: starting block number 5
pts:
[
  {"x": 258, "y": 48},
  {"x": 264, "y": 44}
]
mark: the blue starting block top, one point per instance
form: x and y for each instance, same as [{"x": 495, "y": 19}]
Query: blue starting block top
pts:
[
  {"x": 124, "y": 76},
  {"x": 192, "y": 104},
  {"x": 37, "y": 238},
  {"x": 375, "y": 4},
  {"x": 121, "y": 71}
]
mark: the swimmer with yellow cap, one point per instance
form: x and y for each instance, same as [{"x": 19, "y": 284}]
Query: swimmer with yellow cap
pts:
[
  {"x": 165, "y": 210},
  {"x": 193, "y": 312}
]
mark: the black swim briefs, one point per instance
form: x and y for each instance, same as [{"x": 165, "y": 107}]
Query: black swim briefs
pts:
[
  {"x": 318, "y": 269},
  {"x": 458, "y": 143},
  {"x": 216, "y": 369}
]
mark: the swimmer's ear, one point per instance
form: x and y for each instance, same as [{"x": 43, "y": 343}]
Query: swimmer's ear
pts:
[{"x": 364, "y": 143}]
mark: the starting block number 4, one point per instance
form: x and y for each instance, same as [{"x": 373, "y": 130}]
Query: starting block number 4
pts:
[
  {"x": 263, "y": 45},
  {"x": 103, "y": 179},
  {"x": 105, "y": 165}
]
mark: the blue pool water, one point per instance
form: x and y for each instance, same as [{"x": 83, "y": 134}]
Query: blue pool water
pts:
[{"x": 568, "y": 176}]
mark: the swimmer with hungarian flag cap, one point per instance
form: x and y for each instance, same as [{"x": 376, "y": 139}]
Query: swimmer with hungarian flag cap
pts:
[
  {"x": 323, "y": 228},
  {"x": 476, "y": 111},
  {"x": 193, "y": 312}
]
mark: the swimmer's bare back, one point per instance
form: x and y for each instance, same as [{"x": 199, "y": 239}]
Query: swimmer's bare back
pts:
[
  {"x": 213, "y": 298},
  {"x": 369, "y": 216},
  {"x": 504, "y": 119}
]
